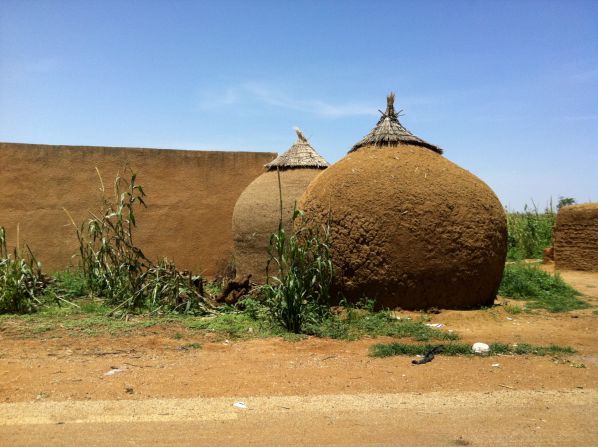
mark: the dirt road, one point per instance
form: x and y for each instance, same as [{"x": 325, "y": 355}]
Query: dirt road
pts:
[
  {"x": 60, "y": 390},
  {"x": 447, "y": 418}
]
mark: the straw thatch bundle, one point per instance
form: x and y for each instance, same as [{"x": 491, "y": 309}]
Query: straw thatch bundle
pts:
[
  {"x": 299, "y": 156},
  {"x": 257, "y": 211},
  {"x": 390, "y": 132},
  {"x": 408, "y": 227}
]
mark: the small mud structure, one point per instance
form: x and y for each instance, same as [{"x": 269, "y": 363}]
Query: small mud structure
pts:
[
  {"x": 409, "y": 228},
  {"x": 576, "y": 237},
  {"x": 257, "y": 212}
]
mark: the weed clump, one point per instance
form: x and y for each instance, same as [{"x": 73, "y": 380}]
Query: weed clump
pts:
[
  {"x": 116, "y": 269},
  {"x": 22, "y": 282},
  {"x": 542, "y": 290}
]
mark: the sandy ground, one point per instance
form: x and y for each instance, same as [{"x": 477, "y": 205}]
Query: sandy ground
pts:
[{"x": 54, "y": 389}]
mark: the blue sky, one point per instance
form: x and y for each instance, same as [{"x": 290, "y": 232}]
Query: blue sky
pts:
[{"x": 508, "y": 88}]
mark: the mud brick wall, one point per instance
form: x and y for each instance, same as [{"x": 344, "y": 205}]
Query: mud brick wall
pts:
[
  {"x": 190, "y": 198},
  {"x": 576, "y": 237}
]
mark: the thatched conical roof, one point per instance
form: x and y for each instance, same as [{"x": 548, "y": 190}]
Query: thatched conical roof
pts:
[
  {"x": 300, "y": 155},
  {"x": 390, "y": 132}
]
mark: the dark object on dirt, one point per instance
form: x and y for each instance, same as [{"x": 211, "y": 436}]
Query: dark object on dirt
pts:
[
  {"x": 576, "y": 236},
  {"x": 433, "y": 310},
  {"x": 196, "y": 280},
  {"x": 461, "y": 441},
  {"x": 234, "y": 290},
  {"x": 429, "y": 355},
  {"x": 548, "y": 255},
  {"x": 409, "y": 228}
]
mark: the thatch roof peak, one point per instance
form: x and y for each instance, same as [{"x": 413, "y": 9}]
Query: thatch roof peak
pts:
[
  {"x": 390, "y": 132},
  {"x": 299, "y": 156}
]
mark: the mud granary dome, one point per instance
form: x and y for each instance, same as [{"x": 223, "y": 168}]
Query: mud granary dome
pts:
[
  {"x": 409, "y": 228},
  {"x": 576, "y": 237},
  {"x": 257, "y": 211}
]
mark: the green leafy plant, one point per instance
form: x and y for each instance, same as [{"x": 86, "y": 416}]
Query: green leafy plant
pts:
[
  {"x": 299, "y": 293},
  {"x": 22, "y": 282}
]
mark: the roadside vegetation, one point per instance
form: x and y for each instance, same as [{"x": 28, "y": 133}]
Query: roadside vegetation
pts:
[{"x": 117, "y": 290}]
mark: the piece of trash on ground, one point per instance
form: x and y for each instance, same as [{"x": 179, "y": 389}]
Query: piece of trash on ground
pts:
[
  {"x": 429, "y": 355},
  {"x": 436, "y": 325},
  {"x": 113, "y": 371},
  {"x": 480, "y": 348},
  {"x": 496, "y": 365},
  {"x": 241, "y": 405},
  {"x": 509, "y": 318}
]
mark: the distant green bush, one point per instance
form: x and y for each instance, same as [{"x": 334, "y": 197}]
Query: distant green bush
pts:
[{"x": 529, "y": 233}]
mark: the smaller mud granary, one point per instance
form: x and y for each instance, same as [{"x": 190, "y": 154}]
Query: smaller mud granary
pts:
[
  {"x": 408, "y": 227},
  {"x": 299, "y": 156},
  {"x": 257, "y": 211}
]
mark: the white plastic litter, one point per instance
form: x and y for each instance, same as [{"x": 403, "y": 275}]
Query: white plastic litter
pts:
[
  {"x": 480, "y": 348},
  {"x": 436, "y": 325},
  {"x": 113, "y": 371},
  {"x": 496, "y": 365},
  {"x": 241, "y": 405},
  {"x": 509, "y": 318}
]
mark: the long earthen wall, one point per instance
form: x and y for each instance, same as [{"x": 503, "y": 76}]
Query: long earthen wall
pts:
[
  {"x": 190, "y": 198},
  {"x": 576, "y": 237}
]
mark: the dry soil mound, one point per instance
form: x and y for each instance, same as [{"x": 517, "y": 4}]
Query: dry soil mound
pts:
[
  {"x": 256, "y": 216},
  {"x": 576, "y": 237},
  {"x": 410, "y": 228}
]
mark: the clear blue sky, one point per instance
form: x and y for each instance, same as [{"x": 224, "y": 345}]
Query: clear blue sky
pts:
[{"x": 508, "y": 88}]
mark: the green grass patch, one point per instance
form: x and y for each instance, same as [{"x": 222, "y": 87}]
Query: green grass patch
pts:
[
  {"x": 235, "y": 325},
  {"x": 541, "y": 290},
  {"x": 358, "y": 323},
  {"x": 453, "y": 349},
  {"x": 513, "y": 310},
  {"x": 69, "y": 284},
  {"x": 89, "y": 317}
]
